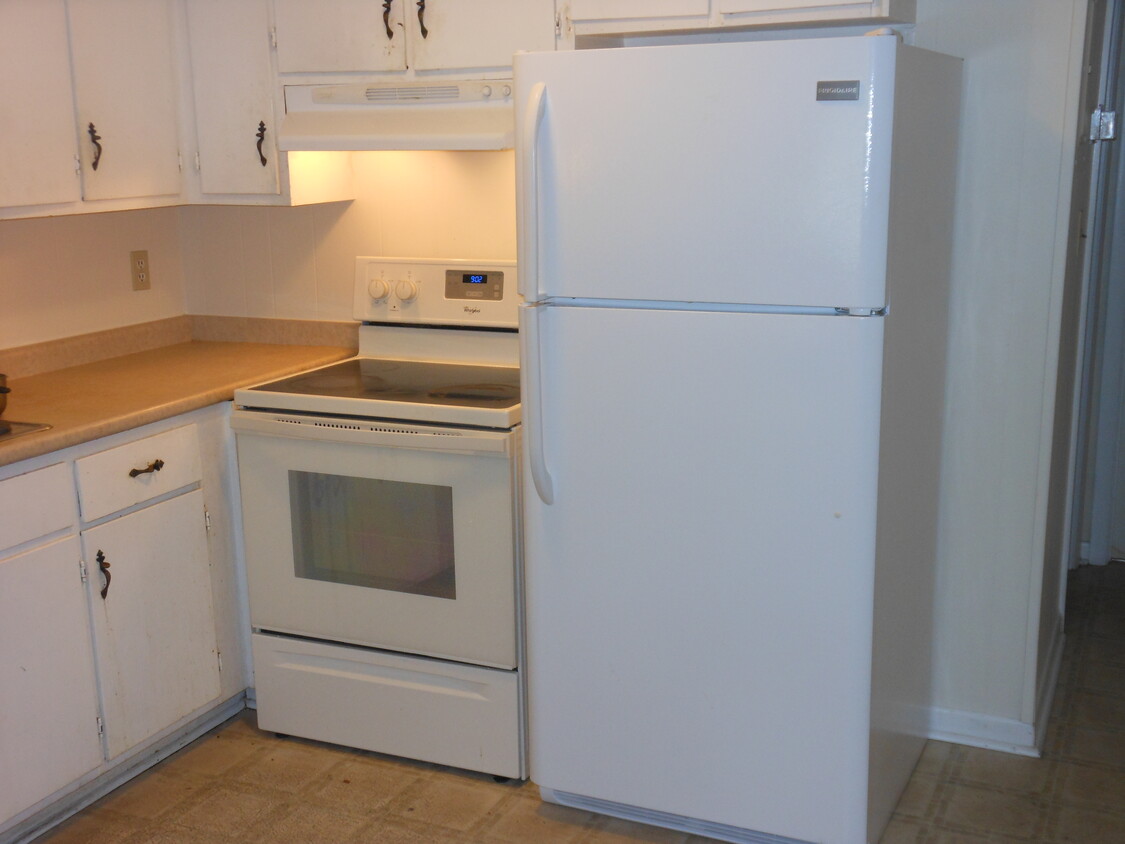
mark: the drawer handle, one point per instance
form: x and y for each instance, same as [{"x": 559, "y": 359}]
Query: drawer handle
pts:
[
  {"x": 154, "y": 466},
  {"x": 103, "y": 567}
]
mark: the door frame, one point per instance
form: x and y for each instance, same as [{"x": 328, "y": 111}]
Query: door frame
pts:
[{"x": 1101, "y": 363}]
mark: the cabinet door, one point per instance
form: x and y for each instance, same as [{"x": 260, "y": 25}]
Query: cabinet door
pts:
[
  {"x": 233, "y": 87},
  {"x": 627, "y": 9},
  {"x": 478, "y": 33},
  {"x": 38, "y": 145},
  {"x": 48, "y": 697},
  {"x": 155, "y": 629},
  {"x": 339, "y": 35},
  {"x": 126, "y": 89},
  {"x": 813, "y": 10}
]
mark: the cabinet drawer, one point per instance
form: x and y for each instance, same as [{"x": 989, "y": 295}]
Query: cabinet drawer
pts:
[
  {"x": 129, "y": 474},
  {"x": 35, "y": 505}
]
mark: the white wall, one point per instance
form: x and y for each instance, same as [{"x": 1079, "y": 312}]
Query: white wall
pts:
[
  {"x": 1022, "y": 59},
  {"x": 298, "y": 263},
  {"x": 62, "y": 276}
]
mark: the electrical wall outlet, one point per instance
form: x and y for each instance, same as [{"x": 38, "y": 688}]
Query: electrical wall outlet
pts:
[{"x": 142, "y": 273}]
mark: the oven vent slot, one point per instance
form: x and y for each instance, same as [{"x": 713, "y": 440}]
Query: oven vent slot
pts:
[{"x": 379, "y": 429}]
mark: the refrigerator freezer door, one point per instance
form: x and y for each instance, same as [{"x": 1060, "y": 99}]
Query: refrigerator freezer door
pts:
[
  {"x": 753, "y": 173},
  {"x": 699, "y": 630}
]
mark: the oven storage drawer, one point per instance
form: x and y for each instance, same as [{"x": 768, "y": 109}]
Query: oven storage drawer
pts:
[
  {"x": 120, "y": 477},
  {"x": 436, "y": 711}
]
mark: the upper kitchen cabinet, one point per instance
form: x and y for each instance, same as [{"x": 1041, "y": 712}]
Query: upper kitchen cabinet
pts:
[
  {"x": 234, "y": 92},
  {"x": 38, "y": 142},
  {"x": 233, "y": 89},
  {"x": 478, "y": 34},
  {"x": 375, "y": 36},
  {"x": 345, "y": 36},
  {"x": 127, "y": 97},
  {"x": 739, "y": 12},
  {"x": 631, "y": 17},
  {"x": 89, "y": 106}
]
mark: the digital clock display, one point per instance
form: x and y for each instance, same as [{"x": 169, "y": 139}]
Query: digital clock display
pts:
[{"x": 474, "y": 285}]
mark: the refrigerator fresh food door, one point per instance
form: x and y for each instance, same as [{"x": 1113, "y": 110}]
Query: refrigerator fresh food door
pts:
[
  {"x": 754, "y": 173},
  {"x": 699, "y": 630}
]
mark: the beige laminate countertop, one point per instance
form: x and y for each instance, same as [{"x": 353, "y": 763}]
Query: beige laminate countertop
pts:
[{"x": 93, "y": 400}]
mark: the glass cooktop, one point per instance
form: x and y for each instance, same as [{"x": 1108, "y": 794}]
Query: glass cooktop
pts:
[{"x": 418, "y": 382}]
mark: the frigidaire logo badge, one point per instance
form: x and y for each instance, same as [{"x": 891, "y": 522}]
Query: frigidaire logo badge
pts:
[
  {"x": 838, "y": 90},
  {"x": 469, "y": 309}
]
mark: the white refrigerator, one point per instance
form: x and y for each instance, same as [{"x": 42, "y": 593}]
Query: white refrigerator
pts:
[{"x": 734, "y": 259}]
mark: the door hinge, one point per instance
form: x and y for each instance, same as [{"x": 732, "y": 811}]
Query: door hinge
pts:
[
  {"x": 219, "y": 656},
  {"x": 273, "y": 37},
  {"x": 198, "y": 164},
  {"x": 77, "y": 164},
  {"x": 1103, "y": 125},
  {"x": 82, "y": 571},
  {"x": 101, "y": 727},
  {"x": 207, "y": 519}
]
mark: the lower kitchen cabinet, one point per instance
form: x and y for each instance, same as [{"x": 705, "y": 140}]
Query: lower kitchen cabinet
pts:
[
  {"x": 154, "y": 625},
  {"x": 119, "y": 599},
  {"x": 48, "y": 693}
]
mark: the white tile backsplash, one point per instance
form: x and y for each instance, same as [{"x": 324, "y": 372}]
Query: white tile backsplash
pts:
[
  {"x": 298, "y": 263},
  {"x": 64, "y": 276}
]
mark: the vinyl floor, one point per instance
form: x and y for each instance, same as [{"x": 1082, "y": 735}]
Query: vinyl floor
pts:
[{"x": 239, "y": 784}]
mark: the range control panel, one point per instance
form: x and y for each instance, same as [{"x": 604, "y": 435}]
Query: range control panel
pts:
[{"x": 450, "y": 292}]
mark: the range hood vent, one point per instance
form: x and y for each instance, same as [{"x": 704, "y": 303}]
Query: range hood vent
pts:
[
  {"x": 451, "y": 115},
  {"x": 404, "y": 95}
]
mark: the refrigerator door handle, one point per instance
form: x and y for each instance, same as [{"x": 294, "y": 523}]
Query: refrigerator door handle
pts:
[
  {"x": 533, "y": 402},
  {"x": 527, "y": 244}
]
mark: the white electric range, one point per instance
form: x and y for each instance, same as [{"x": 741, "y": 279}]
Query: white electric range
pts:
[{"x": 380, "y": 513}]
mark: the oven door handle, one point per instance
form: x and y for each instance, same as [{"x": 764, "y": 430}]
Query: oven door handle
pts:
[{"x": 532, "y": 374}]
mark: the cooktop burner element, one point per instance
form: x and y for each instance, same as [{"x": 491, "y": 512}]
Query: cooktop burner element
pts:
[{"x": 421, "y": 382}]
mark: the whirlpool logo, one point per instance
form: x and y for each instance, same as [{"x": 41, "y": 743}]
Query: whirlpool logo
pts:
[{"x": 469, "y": 309}]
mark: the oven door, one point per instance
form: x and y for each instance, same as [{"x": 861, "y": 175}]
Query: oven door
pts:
[{"x": 394, "y": 536}]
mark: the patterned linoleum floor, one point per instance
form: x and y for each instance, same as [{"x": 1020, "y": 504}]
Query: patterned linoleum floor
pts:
[{"x": 238, "y": 784}]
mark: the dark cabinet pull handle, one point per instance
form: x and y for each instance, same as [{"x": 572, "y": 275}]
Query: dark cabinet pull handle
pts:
[
  {"x": 103, "y": 567},
  {"x": 94, "y": 138},
  {"x": 422, "y": 18},
  {"x": 154, "y": 466},
  {"x": 387, "y": 18},
  {"x": 261, "y": 136}
]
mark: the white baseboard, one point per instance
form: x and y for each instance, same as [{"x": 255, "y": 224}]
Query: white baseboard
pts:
[
  {"x": 1048, "y": 682},
  {"x": 987, "y": 731},
  {"x": 1009, "y": 735}
]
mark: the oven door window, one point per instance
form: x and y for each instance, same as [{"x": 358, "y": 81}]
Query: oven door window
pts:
[{"x": 380, "y": 534}]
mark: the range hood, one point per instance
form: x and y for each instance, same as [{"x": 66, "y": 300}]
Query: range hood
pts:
[{"x": 411, "y": 115}]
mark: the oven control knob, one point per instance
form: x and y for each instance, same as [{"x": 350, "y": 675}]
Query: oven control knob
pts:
[
  {"x": 406, "y": 290},
  {"x": 378, "y": 289}
]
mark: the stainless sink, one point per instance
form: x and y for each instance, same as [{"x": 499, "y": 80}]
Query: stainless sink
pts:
[{"x": 9, "y": 430}]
